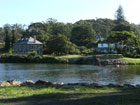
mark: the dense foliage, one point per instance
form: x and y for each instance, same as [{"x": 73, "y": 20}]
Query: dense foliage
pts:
[
  {"x": 83, "y": 35},
  {"x": 60, "y": 45},
  {"x": 30, "y": 58},
  {"x": 61, "y": 38}
]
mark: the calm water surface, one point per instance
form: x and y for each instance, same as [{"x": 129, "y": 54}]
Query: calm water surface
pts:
[{"x": 70, "y": 73}]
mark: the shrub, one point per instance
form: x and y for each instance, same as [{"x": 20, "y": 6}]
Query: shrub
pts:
[{"x": 6, "y": 58}]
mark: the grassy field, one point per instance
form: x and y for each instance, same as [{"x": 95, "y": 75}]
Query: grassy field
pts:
[{"x": 41, "y": 95}]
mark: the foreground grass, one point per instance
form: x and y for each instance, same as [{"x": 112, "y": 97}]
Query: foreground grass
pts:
[{"x": 41, "y": 95}]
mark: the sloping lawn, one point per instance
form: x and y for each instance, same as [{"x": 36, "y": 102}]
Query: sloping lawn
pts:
[
  {"x": 41, "y": 95},
  {"x": 134, "y": 61}
]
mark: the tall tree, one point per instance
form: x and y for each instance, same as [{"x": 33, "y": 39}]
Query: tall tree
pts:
[
  {"x": 125, "y": 39},
  {"x": 119, "y": 15},
  {"x": 7, "y": 40},
  {"x": 83, "y": 35},
  {"x": 13, "y": 40},
  {"x": 60, "y": 45}
]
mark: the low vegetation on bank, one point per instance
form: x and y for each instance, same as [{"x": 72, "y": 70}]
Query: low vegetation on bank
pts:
[
  {"x": 105, "y": 59},
  {"x": 30, "y": 58},
  {"x": 131, "y": 61},
  {"x": 42, "y": 95}
]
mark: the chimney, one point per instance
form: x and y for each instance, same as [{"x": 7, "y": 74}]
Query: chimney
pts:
[{"x": 34, "y": 38}]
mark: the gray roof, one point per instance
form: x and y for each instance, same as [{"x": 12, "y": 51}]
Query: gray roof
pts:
[{"x": 29, "y": 40}]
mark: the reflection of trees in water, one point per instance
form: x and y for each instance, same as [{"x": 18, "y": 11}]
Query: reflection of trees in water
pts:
[
  {"x": 133, "y": 69},
  {"x": 87, "y": 75},
  {"x": 70, "y": 73},
  {"x": 110, "y": 74},
  {"x": 121, "y": 75},
  {"x": 57, "y": 72}
]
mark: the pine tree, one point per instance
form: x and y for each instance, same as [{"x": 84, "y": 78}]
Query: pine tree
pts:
[{"x": 119, "y": 15}]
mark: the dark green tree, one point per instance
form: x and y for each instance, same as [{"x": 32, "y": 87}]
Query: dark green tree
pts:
[
  {"x": 13, "y": 40},
  {"x": 7, "y": 41},
  {"x": 119, "y": 15},
  {"x": 122, "y": 27},
  {"x": 60, "y": 45},
  {"x": 124, "y": 39},
  {"x": 83, "y": 35}
]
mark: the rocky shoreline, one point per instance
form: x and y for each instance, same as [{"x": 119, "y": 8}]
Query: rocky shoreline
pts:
[
  {"x": 111, "y": 62},
  {"x": 47, "y": 83}
]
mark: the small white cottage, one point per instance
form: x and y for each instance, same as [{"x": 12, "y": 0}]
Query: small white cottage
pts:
[{"x": 104, "y": 47}]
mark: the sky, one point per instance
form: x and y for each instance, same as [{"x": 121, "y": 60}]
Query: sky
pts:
[{"x": 29, "y": 11}]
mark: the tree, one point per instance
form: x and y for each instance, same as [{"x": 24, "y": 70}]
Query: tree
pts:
[
  {"x": 7, "y": 41},
  {"x": 2, "y": 35},
  {"x": 119, "y": 15},
  {"x": 60, "y": 45},
  {"x": 13, "y": 40},
  {"x": 83, "y": 35},
  {"x": 122, "y": 27},
  {"x": 125, "y": 39}
]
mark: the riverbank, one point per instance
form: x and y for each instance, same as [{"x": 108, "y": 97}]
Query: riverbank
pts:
[
  {"x": 116, "y": 59},
  {"x": 47, "y": 83},
  {"x": 99, "y": 59},
  {"x": 61, "y": 95}
]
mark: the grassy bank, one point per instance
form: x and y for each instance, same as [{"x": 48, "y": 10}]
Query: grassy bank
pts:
[
  {"x": 109, "y": 56},
  {"x": 132, "y": 61},
  {"x": 76, "y": 59},
  {"x": 129, "y": 61},
  {"x": 72, "y": 56},
  {"x": 41, "y": 95},
  {"x": 10, "y": 58}
]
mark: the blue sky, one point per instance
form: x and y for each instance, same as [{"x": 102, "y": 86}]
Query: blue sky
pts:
[{"x": 27, "y": 11}]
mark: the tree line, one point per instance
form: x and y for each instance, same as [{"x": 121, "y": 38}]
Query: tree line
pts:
[{"x": 61, "y": 38}]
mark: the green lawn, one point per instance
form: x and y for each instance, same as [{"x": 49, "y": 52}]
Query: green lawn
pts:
[
  {"x": 71, "y": 56},
  {"x": 109, "y": 56},
  {"x": 129, "y": 61},
  {"x": 134, "y": 61},
  {"x": 41, "y": 95}
]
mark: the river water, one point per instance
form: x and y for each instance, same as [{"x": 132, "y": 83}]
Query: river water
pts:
[{"x": 71, "y": 73}]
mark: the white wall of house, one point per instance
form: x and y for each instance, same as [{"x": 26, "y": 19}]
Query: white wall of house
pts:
[
  {"x": 105, "y": 45},
  {"x": 102, "y": 45}
]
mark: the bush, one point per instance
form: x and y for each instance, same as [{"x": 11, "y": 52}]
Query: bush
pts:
[
  {"x": 131, "y": 55},
  {"x": 6, "y": 58},
  {"x": 84, "y": 50}
]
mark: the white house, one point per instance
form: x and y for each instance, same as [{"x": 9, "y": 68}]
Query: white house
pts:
[{"x": 104, "y": 47}]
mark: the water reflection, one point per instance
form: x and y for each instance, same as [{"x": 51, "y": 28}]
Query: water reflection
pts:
[{"x": 71, "y": 73}]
